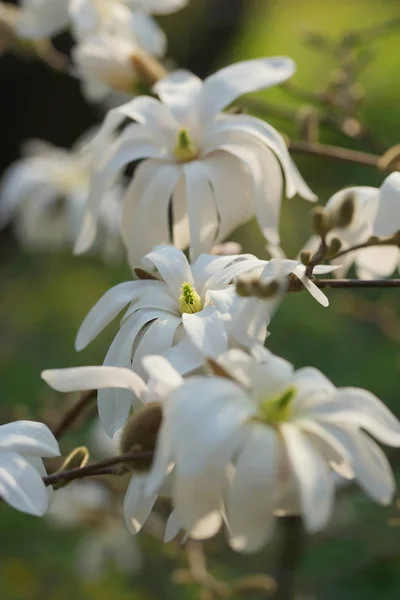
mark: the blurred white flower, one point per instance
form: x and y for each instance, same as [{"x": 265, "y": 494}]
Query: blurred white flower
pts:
[
  {"x": 138, "y": 502},
  {"x": 45, "y": 18},
  {"x": 100, "y": 444},
  {"x": 280, "y": 432},
  {"x": 23, "y": 444},
  {"x": 180, "y": 307},
  {"x": 88, "y": 506},
  {"x": 105, "y": 63},
  {"x": 45, "y": 193},
  {"x": 209, "y": 171},
  {"x": 377, "y": 212}
]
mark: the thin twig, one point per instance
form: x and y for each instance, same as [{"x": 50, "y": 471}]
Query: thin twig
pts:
[
  {"x": 74, "y": 412},
  {"x": 357, "y": 283},
  {"x": 368, "y": 244},
  {"x": 335, "y": 152},
  {"x": 100, "y": 468}
]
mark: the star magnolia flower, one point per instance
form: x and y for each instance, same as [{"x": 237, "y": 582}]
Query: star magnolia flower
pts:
[
  {"x": 46, "y": 192},
  {"x": 280, "y": 432},
  {"x": 182, "y": 302},
  {"x": 138, "y": 503},
  {"x": 218, "y": 169},
  {"x": 377, "y": 212},
  {"x": 23, "y": 444},
  {"x": 45, "y": 18}
]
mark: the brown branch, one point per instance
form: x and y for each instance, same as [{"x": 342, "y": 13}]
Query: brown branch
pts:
[
  {"x": 292, "y": 543},
  {"x": 335, "y": 152},
  {"x": 357, "y": 283},
  {"x": 100, "y": 468},
  {"x": 74, "y": 412}
]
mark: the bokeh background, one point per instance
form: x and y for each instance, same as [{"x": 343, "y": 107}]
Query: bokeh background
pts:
[{"x": 356, "y": 341}]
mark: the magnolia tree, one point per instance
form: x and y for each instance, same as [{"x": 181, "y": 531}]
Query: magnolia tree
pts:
[{"x": 191, "y": 403}]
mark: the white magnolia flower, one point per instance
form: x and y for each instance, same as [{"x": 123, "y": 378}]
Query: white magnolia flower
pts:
[
  {"x": 106, "y": 63},
  {"x": 23, "y": 444},
  {"x": 88, "y": 505},
  {"x": 138, "y": 502},
  {"x": 182, "y": 303},
  {"x": 211, "y": 171},
  {"x": 45, "y": 18},
  {"x": 45, "y": 192},
  {"x": 377, "y": 212},
  {"x": 267, "y": 441}
]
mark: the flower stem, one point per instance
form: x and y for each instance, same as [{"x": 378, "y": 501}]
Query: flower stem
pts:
[{"x": 292, "y": 544}]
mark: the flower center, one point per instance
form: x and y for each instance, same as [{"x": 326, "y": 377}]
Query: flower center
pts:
[
  {"x": 276, "y": 410},
  {"x": 185, "y": 149},
  {"x": 189, "y": 300}
]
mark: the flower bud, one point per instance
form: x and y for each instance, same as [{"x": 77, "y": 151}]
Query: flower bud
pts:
[
  {"x": 140, "y": 435},
  {"x": 320, "y": 224},
  {"x": 334, "y": 246},
  {"x": 305, "y": 257}
]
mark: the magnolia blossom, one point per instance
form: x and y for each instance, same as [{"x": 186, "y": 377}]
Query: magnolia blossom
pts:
[
  {"x": 88, "y": 505},
  {"x": 45, "y": 18},
  {"x": 182, "y": 302},
  {"x": 210, "y": 171},
  {"x": 106, "y": 63},
  {"x": 266, "y": 439},
  {"x": 45, "y": 193},
  {"x": 138, "y": 502},
  {"x": 23, "y": 444},
  {"x": 377, "y": 213}
]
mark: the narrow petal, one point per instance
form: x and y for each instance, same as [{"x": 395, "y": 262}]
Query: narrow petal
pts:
[
  {"x": 149, "y": 34},
  {"x": 313, "y": 478},
  {"x": 185, "y": 357},
  {"x": 206, "y": 329},
  {"x": 377, "y": 262},
  {"x": 251, "y": 498},
  {"x": 172, "y": 527},
  {"x": 250, "y": 321},
  {"x": 208, "y": 265},
  {"x": 229, "y": 83},
  {"x": 28, "y": 437},
  {"x": 158, "y": 337},
  {"x": 310, "y": 286},
  {"x": 21, "y": 485},
  {"x": 153, "y": 207},
  {"x": 94, "y": 378},
  {"x": 107, "y": 308},
  {"x": 161, "y": 369},
  {"x": 178, "y": 90},
  {"x": 137, "y": 506},
  {"x": 172, "y": 265},
  {"x": 388, "y": 216},
  {"x": 201, "y": 208}
]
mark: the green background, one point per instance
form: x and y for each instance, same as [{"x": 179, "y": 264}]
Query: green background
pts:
[{"x": 355, "y": 341}]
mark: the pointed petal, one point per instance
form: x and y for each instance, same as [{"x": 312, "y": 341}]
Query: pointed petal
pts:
[
  {"x": 21, "y": 485},
  {"x": 388, "y": 216},
  {"x": 137, "y": 506},
  {"x": 172, "y": 265},
  {"x": 149, "y": 34},
  {"x": 206, "y": 329},
  {"x": 28, "y": 437},
  {"x": 94, "y": 378},
  {"x": 178, "y": 90}
]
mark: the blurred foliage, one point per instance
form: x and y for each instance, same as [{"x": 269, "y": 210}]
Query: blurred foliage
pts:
[{"x": 355, "y": 341}]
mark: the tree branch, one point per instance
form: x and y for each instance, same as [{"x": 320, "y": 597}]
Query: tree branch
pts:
[
  {"x": 357, "y": 283},
  {"x": 336, "y": 152},
  {"x": 74, "y": 412}
]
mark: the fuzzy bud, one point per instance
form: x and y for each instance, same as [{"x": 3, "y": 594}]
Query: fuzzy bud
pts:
[
  {"x": 320, "y": 222},
  {"x": 140, "y": 435},
  {"x": 334, "y": 247},
  {"x": 305, "y": 257}
]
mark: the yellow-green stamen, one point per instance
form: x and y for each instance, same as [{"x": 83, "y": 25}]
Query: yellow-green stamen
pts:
[
  {"x": 189, "y": 300},
  {"x": 277, "y": 410},
  {"x": 185, "y": 149}
]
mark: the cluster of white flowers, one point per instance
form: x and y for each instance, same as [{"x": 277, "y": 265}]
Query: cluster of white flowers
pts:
[{"x": 237, "y": 435}]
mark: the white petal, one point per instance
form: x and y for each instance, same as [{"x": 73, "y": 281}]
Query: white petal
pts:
[
  {"x": 388, "y": 216},
  {"x": 162, "y": 370},
  {"x": 158, "y": 337},
  {"x": 377, "y": 262},
  {"x": 206, "y": 330},
  {"x": 153, "y": 207},
  {"x": 311, "y": 287},
  {"x": 180, "y": 218},
  {"x": 137, "y": 506},
  {"x": 371, "y": 467},
  {"x": 313, "y": 477},
  {"x": 201, "y": 208},
  {"x": 185, "y": 357},
  {"x": 178, "y": 91},
  {"x": 206, "y": 416},
  {"x": 250, "y": 321},
  {"x": 108, "y": 307},
  {"x": 227, "y": 84},
  {"x": 21, "y": 485},
  {"x": 161, "y": 465},
  {"x": 94, "y": 378},
  {"x": 208, "y": 265},
  {"x": 172, "y": 527},
  {"x": 149, "y": 34},
  {"x": 28, "y": 437},
  {"x": 226, "y": 276},
  {"x": 251, "y": 498},
  {"x": 172, "y": 265}
]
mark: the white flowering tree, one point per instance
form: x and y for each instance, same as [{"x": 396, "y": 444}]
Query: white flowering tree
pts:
[{"x": 195, "y": 411}]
